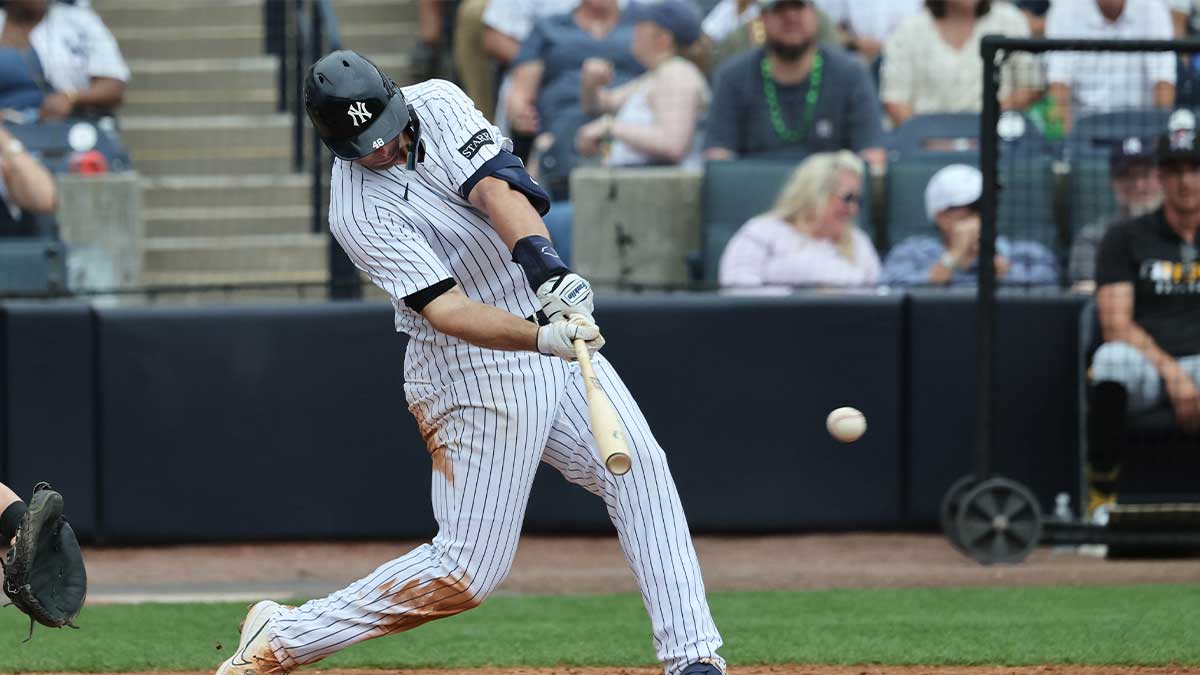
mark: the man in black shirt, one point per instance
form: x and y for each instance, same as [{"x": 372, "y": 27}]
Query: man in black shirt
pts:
[{"x": 1148, "y": 297}]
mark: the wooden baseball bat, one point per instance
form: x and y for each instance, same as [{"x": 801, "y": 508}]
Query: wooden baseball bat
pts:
[{"x": 606, "y": 428}]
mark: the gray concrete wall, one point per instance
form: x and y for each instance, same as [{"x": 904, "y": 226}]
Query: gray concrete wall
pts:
[
  {"x": 635, "y": 226},
  {"x": 100, "y": 219}
]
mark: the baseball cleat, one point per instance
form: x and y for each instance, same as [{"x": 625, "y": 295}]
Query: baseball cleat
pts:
[
  {"x": 254, "y": 655},
  {"x": 703, "y": 667}
]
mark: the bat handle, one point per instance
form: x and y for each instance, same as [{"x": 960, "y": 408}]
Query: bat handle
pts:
[{"x": 585, "y": 363}]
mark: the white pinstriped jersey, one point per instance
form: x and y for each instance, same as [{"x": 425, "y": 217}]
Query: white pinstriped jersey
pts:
[
  {"x": 488, "y": 417},
  {"x": 408, "y": 230}
]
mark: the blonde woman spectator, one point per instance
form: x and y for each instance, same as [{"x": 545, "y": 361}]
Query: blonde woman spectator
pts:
[
  {"x": 82, "y": 64},
  {"x": 809, "y": 237},
  {"x": 931, "y": 63},
  {"x": 652, "y": 119}
]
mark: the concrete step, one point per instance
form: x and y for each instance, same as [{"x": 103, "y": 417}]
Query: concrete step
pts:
[
  {"x": 189, "y": 42},
  {"x": 183, "y": 102},
  {"x": 350, "y": 12},
  {"x": 205, "y": 133},
  {"x": 229, "y": 222},
  {"x": 223, "y": 278},
  {"x": 204, "y": 74},
  {"x": 198, "y": 192},
  {"x": 294, "y": 291},
  {"x": 288, "y": 256},
  {"x": 121, "y": 14},
  {"x": 183, "y": 164}
]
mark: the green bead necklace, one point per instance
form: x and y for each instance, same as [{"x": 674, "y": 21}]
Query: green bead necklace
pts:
[{"x": 810, "y": 101}]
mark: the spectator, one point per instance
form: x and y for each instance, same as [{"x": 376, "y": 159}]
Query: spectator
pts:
[
  {"x": 80, "y": 60},
  {"x": 951, "y": 257},
  {"x": 430, "y": 57},
  {"x": 1083, "y": 83},
  {"x": 1137, "y": 191},
  {"x": 931, "y": 62},
  {"x": 866, "y": 24},
  {"x": 793, "y": 96},
  {"x": 657, "y": 115},
  {"x": 1149, "y": 305},
  {"x": 506, "y": 24},
  {"x": 28, "y": 187},
  {"x": 809, "y": 237},
  {"x": 546, "y": 80},
  {"x": 1183, "y": 17}
]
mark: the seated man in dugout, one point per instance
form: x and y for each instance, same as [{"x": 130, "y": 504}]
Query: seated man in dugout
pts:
[
  {"x": 1148, "y": 299},
  {"x": 951, "y": 256},
  {"x": 1135, "y": 188}
]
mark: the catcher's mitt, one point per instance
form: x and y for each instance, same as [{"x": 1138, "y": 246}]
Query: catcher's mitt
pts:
[{"x": 43, "y": 572}]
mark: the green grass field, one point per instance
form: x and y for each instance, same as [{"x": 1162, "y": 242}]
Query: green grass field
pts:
[{"x": 1127, "y": 625}]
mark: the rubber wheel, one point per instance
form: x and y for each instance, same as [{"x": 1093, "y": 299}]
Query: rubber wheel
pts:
[
  {"x": 999, "y": 522},
  {"x": 950, "y": 507}
]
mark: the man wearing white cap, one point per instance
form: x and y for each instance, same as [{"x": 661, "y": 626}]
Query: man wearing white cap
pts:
[{"x": 950, "y": 258}]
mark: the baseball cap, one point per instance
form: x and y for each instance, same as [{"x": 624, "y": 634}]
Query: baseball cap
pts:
[
  {"x": 678, "y": 17},
  {"x": 1179, "y": 144},
  {"x": 1128, "y": 153},
  {"x": 951, "y": 186}
]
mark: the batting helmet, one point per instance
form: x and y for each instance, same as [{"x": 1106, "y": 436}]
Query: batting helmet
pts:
[{"x": 355, "y": 107}]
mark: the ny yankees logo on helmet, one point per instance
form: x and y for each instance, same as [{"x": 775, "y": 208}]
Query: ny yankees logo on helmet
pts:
[{"x": 359, "y": 113}]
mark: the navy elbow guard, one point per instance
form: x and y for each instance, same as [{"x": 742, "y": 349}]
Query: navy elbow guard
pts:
[
  {"x": 508, "y": 168},
  {"x": 538, "y": 259}
]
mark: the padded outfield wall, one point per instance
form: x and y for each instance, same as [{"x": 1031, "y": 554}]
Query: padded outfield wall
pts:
[{"x": 285, "y": 422}]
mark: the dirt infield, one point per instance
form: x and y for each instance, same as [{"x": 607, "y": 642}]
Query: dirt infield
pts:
[{"x": 596, "y": 565}]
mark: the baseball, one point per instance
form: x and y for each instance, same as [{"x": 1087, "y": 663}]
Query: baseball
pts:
[{"x": 846, "y": 424}]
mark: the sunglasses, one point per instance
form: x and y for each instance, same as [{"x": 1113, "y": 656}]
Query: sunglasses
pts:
[{"x": 850, "y": 198}]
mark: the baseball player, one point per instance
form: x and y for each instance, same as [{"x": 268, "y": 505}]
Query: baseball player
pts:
[{"x": 429, "y": 202}]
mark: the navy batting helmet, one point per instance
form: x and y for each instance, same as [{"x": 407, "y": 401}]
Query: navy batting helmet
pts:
[{"x": 355, "y": 107}]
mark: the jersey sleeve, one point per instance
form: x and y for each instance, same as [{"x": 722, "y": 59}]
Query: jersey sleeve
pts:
[
  {"x": 1114, "y": 261},
  {"x": 104, "y": 56},
  {"x": 456, "y": 133},
  {"x": 378, "y": 238}
]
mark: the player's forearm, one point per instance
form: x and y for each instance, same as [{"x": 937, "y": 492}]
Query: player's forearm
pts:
[
  {"x": 482, "y": 325},
  {"x": 1164, "y": 94},
  {"x": 30, "y": 185},
  {"x": 104, "y": 92}
]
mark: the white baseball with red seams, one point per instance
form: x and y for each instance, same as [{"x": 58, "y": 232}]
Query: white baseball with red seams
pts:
[{"x": 846, "y": 424}]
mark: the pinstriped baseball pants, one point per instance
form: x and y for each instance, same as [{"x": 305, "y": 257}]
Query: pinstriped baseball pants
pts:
[{"x": 486, "y": 437}]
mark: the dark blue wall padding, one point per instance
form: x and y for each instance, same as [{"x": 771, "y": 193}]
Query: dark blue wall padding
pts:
[
  {"x": 737, "y": 390},
  {"x": 48, "y": 369},
  {"x": 1036, "y": 413},
  {"x": 258, "y": 423}
]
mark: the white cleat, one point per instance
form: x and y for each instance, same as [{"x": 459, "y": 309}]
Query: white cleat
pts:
[{"x": 254, "y": 655}]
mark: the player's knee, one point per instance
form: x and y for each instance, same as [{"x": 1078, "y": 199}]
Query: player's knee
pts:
[{"x": 1118, "y": 362}]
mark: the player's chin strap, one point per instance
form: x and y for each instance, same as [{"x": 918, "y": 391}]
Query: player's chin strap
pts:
[{"x": 414, "y": 128}]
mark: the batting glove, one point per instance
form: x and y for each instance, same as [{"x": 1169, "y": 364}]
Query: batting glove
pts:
[
  {"x": 558, "y": 338},
  {"x": 565, "y": 296}
]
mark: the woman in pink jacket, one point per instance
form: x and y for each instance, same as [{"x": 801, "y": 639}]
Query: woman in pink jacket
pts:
[{"x": 809, "y": 237}]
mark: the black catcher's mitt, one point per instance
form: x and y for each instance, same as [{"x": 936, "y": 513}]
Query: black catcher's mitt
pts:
[{"x": 43, "y": 572}]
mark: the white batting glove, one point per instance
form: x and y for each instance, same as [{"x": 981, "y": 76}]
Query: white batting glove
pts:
[
  {"x": 565, "y": 296},
  {"x": 558, "y": 338}
]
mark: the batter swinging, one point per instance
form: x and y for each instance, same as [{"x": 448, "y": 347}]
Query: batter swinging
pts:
[{"x": 429, "y": 202}]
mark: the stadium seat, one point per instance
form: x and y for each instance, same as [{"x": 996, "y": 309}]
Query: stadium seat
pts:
[
  {"x": 55, "y": 142},
  {"x": 959, "y": 133},
  {"x": 734, "y": 191},
  {"x": 32, "y": 265},
  {"x": 1094, "y": 134}
]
